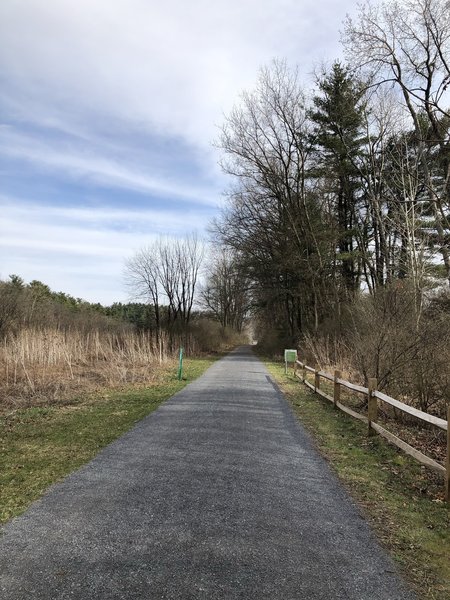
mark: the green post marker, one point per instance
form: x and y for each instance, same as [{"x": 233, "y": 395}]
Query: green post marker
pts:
[{"x": 180, "y": 365}]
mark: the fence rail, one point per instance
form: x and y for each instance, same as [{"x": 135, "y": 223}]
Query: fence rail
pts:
[
  {"x": 410, "y": 410},
  {"x": 373, "y": 398},
  {"x": 353, "y": 386}
]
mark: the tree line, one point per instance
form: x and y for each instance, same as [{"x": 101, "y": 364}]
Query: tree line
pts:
[
  {"x": 344, "y": 187},
  {"x": 168, "y": 302},
  {"x": 34, "y": 304},
  {"x": 338, "y": 217}
]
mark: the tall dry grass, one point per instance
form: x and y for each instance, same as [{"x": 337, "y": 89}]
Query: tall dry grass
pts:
[{"x": 48, "y": 365}]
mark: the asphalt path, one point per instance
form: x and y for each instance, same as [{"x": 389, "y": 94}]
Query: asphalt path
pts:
[{"x": 218, "y": 494}]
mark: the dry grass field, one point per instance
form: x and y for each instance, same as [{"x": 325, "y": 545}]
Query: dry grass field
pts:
[{"x": 47, "y": 366}]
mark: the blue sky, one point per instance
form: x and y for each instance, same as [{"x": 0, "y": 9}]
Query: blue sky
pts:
[{"x": 108, "y": 110}]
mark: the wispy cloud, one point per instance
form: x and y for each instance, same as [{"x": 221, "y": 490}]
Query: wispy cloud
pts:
[
  {"x": 106, "y": 102},
  {"x": 87, "y": 165},
  {"x": 89, "y": 231},
  {"x": 82, "y": 250},
  {"x": 171, "y": 67}
]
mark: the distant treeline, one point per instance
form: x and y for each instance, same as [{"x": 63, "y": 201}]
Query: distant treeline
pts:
[{"x": 34, "y": 304}]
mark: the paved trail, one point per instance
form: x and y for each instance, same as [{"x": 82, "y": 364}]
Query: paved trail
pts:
[{"x": 216, "y": 495}]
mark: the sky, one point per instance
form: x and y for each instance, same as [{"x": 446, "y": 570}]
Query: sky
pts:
[{"x": 108, "y": 114}]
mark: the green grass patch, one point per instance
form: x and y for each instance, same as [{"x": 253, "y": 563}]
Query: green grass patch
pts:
[
  {"x": 401, "y": 500},
  {"x": 39, "y": 446}
]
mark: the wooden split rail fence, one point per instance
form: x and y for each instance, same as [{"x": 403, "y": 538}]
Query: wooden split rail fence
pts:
[{"x": 373, "y": 397}]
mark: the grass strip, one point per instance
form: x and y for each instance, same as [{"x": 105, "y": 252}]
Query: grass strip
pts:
[
  {"x": 401, "y": 499},
  {"x": 41, "y": 445}
]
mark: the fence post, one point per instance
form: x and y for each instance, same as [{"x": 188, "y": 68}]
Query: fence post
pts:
[
  {"x": 447, "y": 469},
  {"x": 316, "y": 379},
  {"x": 295, "y": 369},
  {"x": 372, "y": 405},
  {"x": 304, "y": 372},
  {"x": 337, "y": 388}
]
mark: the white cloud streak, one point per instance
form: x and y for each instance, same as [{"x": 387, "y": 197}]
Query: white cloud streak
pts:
[
  {"x": 171, "y": 67},
  {"x": 81, "y": 250},
  {"x": 89, "y": 231},
  {"x": 87, "y": 165}
]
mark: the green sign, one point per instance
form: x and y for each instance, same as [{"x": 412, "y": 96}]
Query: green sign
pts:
[{"x": 290, "y": 355}]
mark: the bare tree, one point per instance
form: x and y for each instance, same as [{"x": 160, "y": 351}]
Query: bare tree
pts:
[
  {"x": 272, "y": 218},
  {"x": 166, "y": 269},
  {"x": 226, "y": 291},
  {"x": 189, "y": 257},
  {"x": 142, "y": 278},
  {"x": 168, "y": 277}
]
